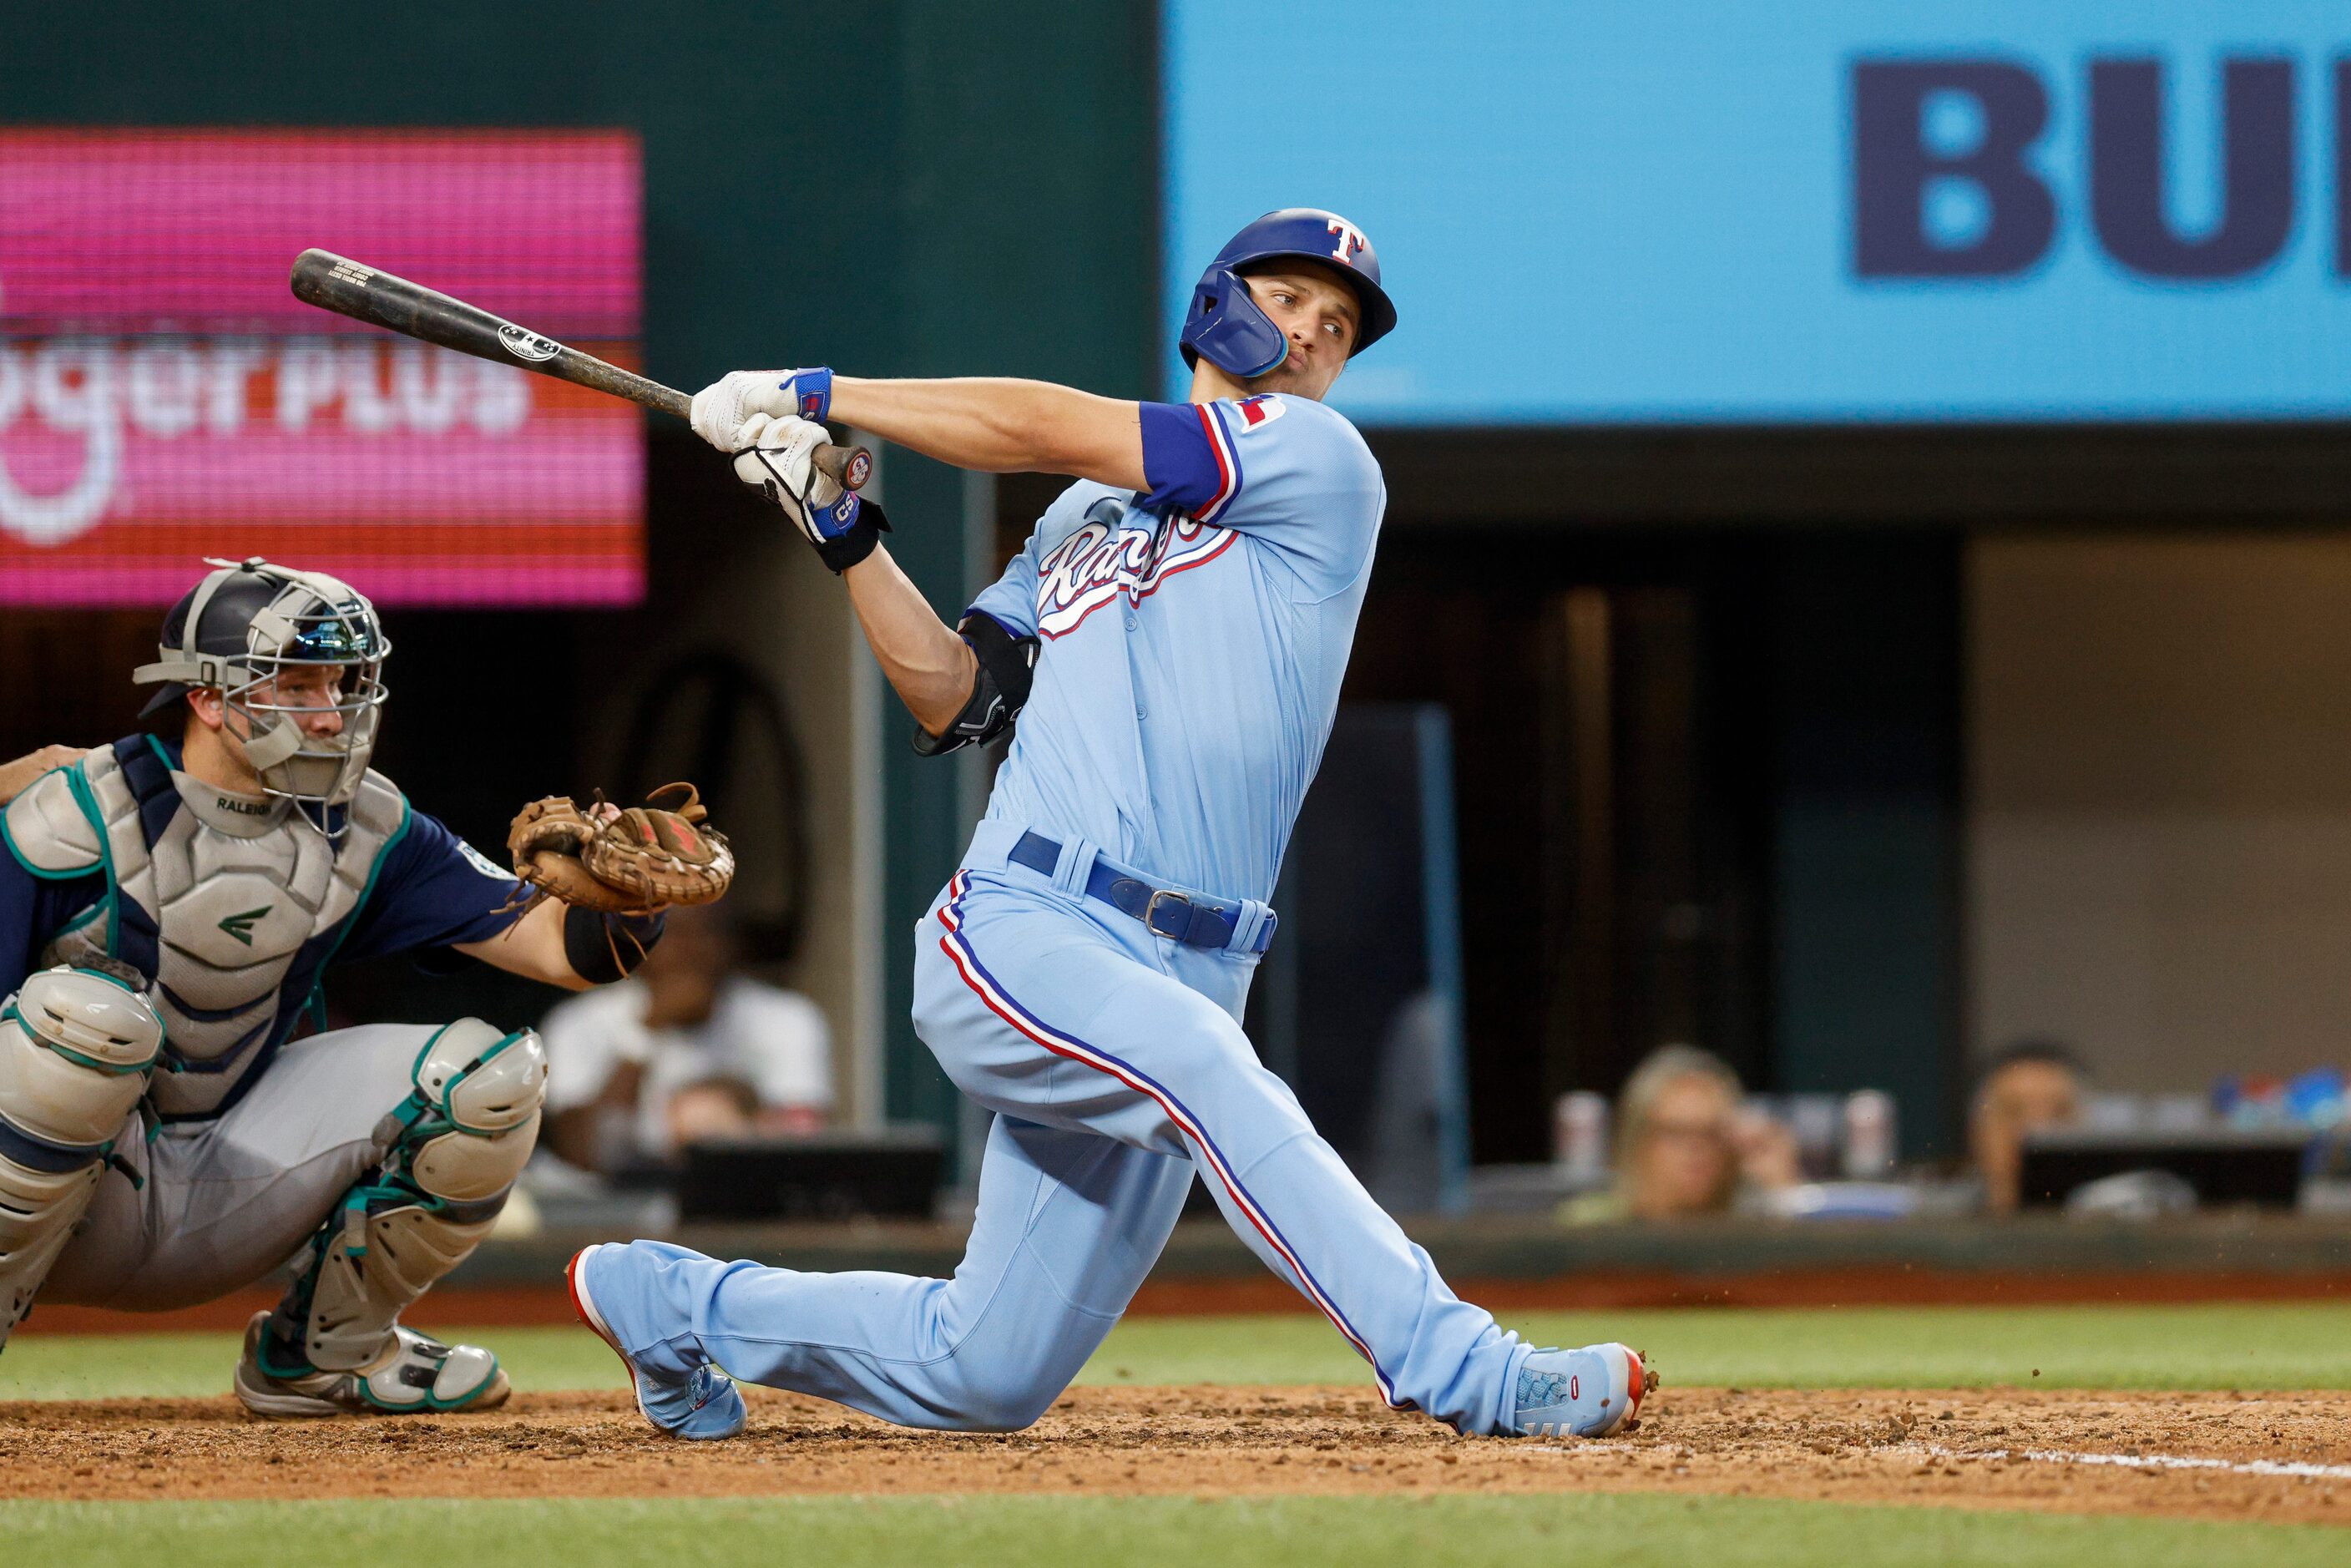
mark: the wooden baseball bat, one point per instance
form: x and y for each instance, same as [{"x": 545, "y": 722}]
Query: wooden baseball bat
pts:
[{"x": 350, "y": 288}]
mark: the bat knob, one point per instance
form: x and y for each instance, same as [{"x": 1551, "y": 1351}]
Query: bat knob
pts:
[{"x": 847, "y": 467}]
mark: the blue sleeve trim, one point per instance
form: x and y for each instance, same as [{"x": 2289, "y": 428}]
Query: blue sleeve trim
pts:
[{"x": 1189, "y": 460}]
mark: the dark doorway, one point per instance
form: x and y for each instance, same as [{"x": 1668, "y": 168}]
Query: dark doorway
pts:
[{"x": 1647, "y": 727}]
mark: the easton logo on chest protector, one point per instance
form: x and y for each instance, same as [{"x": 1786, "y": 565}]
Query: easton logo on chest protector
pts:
[
  {"x": 1118, "y": 551},
  {"x": 241, "y": 925}
]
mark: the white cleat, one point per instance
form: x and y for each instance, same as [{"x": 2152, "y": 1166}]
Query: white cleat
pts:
[{"x": 415, "y": 1376}]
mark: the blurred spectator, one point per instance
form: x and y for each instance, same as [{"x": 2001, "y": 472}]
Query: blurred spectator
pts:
[
  {"x": 1686, "y": 1145},
  {"x": 2033, "y": 1085},
  {"x": 686, "y": 1049}
]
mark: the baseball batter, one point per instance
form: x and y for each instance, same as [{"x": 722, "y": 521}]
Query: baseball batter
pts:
[
  {"x": 1172, "y": 639},
  {"x": 168, "y": 906}
]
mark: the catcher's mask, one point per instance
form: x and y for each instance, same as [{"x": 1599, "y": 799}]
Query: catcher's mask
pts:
[{"x": 244, "y": 624}]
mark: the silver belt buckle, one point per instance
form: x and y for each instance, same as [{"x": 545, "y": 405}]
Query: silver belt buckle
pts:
[{"x": 1151, "y": 907}]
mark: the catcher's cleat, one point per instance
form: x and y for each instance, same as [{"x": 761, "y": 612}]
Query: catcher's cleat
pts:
[
  {"x": 700, "y": 1404},
  {"x": 415, "y": 1376},
  {"x": 1595, "y": 1392}
]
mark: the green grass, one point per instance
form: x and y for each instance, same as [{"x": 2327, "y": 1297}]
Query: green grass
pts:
[
  {"x": 2297, "y": 1345},
  {"x": 1097, "y": 1532},
  {"x": 181, "y": 1366}
]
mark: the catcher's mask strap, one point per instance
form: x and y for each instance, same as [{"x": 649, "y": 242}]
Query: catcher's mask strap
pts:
[
  {"x": 278, "y": 742},
  {"x": 187, "y": 663}
]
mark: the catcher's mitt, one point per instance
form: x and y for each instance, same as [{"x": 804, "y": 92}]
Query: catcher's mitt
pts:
[{"x": 622, "y": 863}]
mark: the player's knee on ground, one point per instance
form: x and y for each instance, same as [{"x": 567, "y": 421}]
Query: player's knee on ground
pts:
[
  {"x": 76, "y": 1047},
  {"x": 999, "y": 1399},
  {"x": 465, "y": 1133}
]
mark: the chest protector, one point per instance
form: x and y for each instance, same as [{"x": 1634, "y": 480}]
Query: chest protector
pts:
[{"x": 230, "y": 912}]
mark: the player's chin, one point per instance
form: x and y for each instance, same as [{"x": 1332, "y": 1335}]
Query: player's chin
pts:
[{"x": 1290, "y": 377}]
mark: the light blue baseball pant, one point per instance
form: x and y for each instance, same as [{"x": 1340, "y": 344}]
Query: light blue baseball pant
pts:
[{"x": 1114, "y": 1060}]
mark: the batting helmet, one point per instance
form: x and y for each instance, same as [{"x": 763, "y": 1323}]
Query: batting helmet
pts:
[{"x": 1223, "y": 323}]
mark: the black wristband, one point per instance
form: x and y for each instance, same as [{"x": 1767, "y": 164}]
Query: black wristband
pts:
[
  {"x": 854, "y": 546},
  {"x": 601, "y": 948}
]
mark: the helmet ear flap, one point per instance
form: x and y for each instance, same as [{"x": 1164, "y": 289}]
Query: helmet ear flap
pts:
[{"x": 1226, "y": 327}]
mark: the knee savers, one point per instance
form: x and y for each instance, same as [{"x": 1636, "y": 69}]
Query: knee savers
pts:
[
  {"x": 455, "y": 1146},
  {"x": 480, "y": 1092},
  {"x": 76, "y": 1047}
]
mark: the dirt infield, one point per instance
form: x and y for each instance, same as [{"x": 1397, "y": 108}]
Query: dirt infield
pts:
[{"x": 2280, "y": 1456}]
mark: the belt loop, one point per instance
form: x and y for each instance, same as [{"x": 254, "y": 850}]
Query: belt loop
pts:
[
  {"x": 1076, "y": 864},
  {"x": 1248, "y": 924}
]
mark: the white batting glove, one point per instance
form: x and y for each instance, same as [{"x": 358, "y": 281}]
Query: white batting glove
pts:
[
  {"x": 778, "y": 460},
  {"x": 723, "y": 410}
]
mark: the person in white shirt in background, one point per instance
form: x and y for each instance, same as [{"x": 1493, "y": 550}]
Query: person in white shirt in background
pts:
[{"x": 686, "y": 1049}]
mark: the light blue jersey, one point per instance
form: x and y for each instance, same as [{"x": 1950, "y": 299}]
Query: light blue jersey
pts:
[{"x": 1193, "y": 640}]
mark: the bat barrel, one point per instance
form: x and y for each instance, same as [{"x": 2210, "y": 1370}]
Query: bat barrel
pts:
[{"x": 352, "y": 288}]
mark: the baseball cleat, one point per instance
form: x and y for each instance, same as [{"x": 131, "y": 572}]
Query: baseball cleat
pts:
[
  {"x": 1595, "y": 1392},
  {"x": 415, "y": 1375},
  {"x": 701, "y": 1408}
]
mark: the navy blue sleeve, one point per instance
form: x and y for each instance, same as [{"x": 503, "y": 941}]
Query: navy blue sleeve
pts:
[
  {"x": 1287, "y": 470},
  {"x": 33, "y": 909},
  {"x": 432, "y": 889}
]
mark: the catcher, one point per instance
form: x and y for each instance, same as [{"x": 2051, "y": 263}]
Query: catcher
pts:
[{"x": 168, "y": 906}]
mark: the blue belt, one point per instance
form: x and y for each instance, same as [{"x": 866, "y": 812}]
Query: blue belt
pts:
[{"x": 1194, "y": 919}]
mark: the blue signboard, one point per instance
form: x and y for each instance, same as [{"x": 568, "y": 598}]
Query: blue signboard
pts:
[{"x": 1594, "y": 211}]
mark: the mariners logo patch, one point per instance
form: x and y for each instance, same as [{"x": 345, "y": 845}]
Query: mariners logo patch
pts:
[
  {"x": 1118, "y": 553},
  {"x": 482, "y": 862}
]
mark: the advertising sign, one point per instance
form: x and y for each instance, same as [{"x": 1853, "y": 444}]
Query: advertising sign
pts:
[
  {"x": 165, "y": 398},
  {"x": 1820, "y": 210}
]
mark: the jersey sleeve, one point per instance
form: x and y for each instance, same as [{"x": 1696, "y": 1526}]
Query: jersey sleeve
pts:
[
  {"x": 33, "y": 910},
  {"x": 1011, "y": 600},
  {"x": 432, "y": 889},
  {"x": 1286, "y": 469}
]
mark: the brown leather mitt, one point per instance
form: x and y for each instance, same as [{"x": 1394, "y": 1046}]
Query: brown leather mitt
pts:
[{"x": 626, "y": 863}]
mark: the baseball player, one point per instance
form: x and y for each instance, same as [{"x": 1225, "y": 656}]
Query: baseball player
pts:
[
  {"x": 168, "y": 906},
  {"x": 1172, "y": 638}
]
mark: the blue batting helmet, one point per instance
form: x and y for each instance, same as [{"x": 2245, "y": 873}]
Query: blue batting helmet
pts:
[{"x": 1224, "y": 322}]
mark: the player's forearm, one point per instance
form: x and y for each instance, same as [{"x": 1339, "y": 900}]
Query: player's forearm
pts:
[
  {"x": 929, "y": 666},
  {"x": 531, "y": 947},
  {"x": 1000, "y": 425}
]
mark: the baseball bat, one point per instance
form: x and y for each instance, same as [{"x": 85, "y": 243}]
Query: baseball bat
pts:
[{"x": 364, "y": 294}]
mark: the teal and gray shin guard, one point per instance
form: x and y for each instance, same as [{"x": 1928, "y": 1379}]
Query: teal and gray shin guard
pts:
[{"x": 452, "y": 1151}]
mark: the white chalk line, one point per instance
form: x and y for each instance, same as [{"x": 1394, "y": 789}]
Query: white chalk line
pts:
[{"x": 2292, "y": 1469}]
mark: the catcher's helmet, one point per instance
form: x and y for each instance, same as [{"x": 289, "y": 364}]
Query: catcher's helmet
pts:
[
  {"x": 1225, "y": 325},
  {"x": 238, "y": 628}
]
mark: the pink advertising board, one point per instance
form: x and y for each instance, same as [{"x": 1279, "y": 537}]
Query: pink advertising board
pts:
[{"x": 165, "y": 398}]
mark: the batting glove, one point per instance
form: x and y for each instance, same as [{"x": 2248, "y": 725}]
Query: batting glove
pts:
[
  {"x": 723, "y": 410},
  {"x": 779, "y": 462}
]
